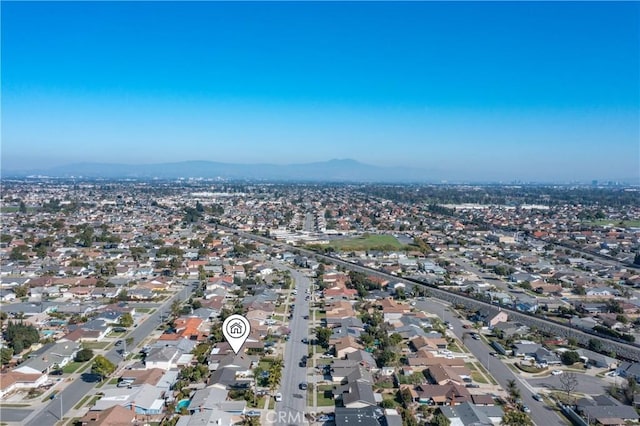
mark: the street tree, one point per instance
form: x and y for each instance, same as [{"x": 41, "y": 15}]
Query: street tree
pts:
[
  {"x": 126, "y": 320},
  {"x": 568, "y": 382},
  {"x": 512, "y": 389},
  {"x": 102, "y": 367}
]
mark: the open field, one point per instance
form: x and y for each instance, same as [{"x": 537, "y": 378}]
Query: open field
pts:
[{"x": 367, "y": 242}]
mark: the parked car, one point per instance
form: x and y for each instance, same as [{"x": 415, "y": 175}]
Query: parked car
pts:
[
  {"x": 556, "y": 372},
  {"x": 253, "y": 413},
  {"x": 537, "y": 396},
  {"x": 302, "y": 386},
  {"x": 278, "y": 397},
  {"x": 526, "y": 409}
]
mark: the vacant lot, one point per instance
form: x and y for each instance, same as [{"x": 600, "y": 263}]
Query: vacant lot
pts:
[{"x": 368, "y": 242}]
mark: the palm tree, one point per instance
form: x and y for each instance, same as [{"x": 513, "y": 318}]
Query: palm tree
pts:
[
  {"x": 275, "y": 373},
  {"x": 512, "y": 388}
]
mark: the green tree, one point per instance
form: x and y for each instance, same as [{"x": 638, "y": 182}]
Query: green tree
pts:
[
  {"x": 403, "y": 396},
  {"x": 176, "y": 307},
  {"x": 386, "y": 357},
  {"x": 512, "y": 389},
  {"x": 275, "y": 374},
  {"x": 102, "y": 367},
  {"x": 126, "y": 320},
  {"x": 515, "y": 417},
  {"x": 631, "y": 389},
  {"x": 440, "y": 420},
  {"x": 83, "y": 355},
  {"x": 595, "y": 345},
  {"x": 21, "y": 291},
  {"x": 570, "y": 357},
  {"x": 20, "y": 336},
  {"x": 323, "y": 334},
  {"x": 5, "y": 355}
]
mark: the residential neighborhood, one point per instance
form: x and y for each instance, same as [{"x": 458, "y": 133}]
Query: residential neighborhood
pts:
[{"x": 112, "y": 297}]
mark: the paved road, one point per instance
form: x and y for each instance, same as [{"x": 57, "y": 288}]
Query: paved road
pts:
[
  {"x": 309, "y": 223},
  {"x": 49, "y": 415},
  {"x": 590, "y": 385},
  {"x": 540, "y": 413},
  {"x": 632, "y": 350},
  {"x": 294, "y": 401}
]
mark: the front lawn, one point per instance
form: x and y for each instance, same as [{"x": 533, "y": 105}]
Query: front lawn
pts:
[
  {"x": 478, "y": 377},
  {"x": 71, "y": 367},
  {"x": 95, "y": 345},
  {"x": 325, "y": 396}
]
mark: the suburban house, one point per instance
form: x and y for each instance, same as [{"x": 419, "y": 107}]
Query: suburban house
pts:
[
  {"x": 467, "y": 414},
  {"x": 13, "y": 380},
  {"x": 165, "y": 358},
  {"x": 115, "y": 415},
  {"x": 143, "y": 400},
  {"x": 49, "y": 356}
]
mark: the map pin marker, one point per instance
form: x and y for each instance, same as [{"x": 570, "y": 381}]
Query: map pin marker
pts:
[{"x": 236, "y": 329}]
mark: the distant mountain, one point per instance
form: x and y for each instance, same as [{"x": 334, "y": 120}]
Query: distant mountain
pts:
[{"x": 327, "y": 171}]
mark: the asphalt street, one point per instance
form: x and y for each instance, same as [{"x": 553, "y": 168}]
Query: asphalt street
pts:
[
  {"x": 50, "y": 413},
  {"x": 540, "y": 413},
  {"x": 292, "y": 408},
  {"x": 586, "y": 384}
]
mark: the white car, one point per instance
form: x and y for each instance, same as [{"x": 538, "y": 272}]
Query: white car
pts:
[
  {"x": 556, "y": 372},
  {"x": 278, "y": 397}
]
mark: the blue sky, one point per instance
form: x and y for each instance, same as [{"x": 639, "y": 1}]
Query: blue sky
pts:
[{"x": 531, "y": 91}]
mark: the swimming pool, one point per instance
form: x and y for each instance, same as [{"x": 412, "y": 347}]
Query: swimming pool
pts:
[{"x": 183, "y": 403}]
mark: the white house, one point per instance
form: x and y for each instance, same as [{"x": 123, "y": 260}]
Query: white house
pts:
[{"x": 13, "y": 380}]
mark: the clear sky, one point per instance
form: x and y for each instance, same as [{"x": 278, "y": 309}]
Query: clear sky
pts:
[{"x": 479, "y": 90}]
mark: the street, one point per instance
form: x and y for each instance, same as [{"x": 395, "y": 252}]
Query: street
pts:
[
  {"x": 540, "y": 413},
  {"x": 292, "y": 408},
  {"x": 586, "y": 384},
  {"x": 49, "y": 413}
]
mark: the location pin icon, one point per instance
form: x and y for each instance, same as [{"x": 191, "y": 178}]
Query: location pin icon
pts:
[{"x": 236, "y": 329}]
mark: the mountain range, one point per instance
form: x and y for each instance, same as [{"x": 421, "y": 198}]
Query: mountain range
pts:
[{"x": 344, "y": 170}]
